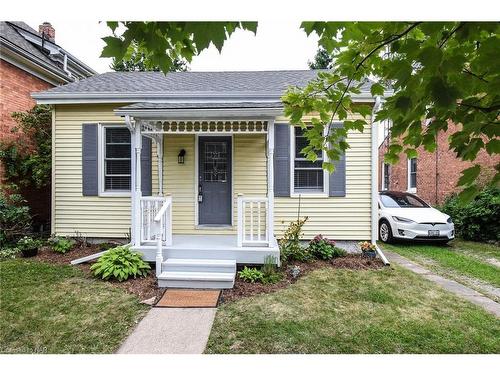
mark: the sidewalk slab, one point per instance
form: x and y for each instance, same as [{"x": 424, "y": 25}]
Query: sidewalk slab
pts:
[
  {"x": 171, "y": 331},
  {"x": 452, "y": 286}
]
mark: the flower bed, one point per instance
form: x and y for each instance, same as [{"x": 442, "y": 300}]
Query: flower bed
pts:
[
  {"x": 142, "y": 287},
  {"x": 244, "y": 289}
]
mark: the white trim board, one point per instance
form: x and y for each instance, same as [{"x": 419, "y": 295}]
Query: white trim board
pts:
[
  {"x": 408, "y": 178},
  {"x": 196, "y": 179},
  {"x": 326, "y": 180},
  {"x": 100, "y": 162}
]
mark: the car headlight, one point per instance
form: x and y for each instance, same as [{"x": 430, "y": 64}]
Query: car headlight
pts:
[
  {"x": 449, "y": 220},
  {"x": 402, "y": 219}
]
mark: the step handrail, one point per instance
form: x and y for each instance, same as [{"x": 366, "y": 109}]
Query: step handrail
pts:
[{"x": 165, "y": 213}]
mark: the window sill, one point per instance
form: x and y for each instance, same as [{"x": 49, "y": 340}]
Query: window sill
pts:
[
  {"x": 309, "y": 194},
  {"x": 412, "y": 190},
  {"x": 113, "y": 194}
]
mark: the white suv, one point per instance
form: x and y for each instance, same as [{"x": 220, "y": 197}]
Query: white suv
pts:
[{"x": 407, "y": 217}]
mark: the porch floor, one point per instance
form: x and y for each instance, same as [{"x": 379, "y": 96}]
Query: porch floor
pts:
[{"x": 210, "y": 246}]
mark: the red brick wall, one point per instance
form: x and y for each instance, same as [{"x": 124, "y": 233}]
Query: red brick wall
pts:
[
  {"x": 16, "y": 87},
  {"x": 434, "y": 187}
]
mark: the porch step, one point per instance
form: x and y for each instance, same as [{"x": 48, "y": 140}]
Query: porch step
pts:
[
  {"x": 196, "y": 280},
  {"x": 199, "y": 265}
]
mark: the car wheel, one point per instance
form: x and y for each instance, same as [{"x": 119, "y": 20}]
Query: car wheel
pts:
[{"x": 385, "y": 232}]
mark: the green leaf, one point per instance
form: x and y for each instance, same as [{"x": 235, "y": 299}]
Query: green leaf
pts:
[
  {"x": 112, "y": 25},
  {"x": 493, "y": 146},
  {"x": 469, "y": 175},
  {"x": 430, "y": 56},
  {"x": 115, "y": 47},
  {"x": 468, "y": 194},
  {"x": 377, "y": 89}
]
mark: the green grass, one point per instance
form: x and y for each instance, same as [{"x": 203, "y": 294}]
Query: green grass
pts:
[
  {"x": 464, "y": 258},
  {"x": 342, "y": 311},
  {"x": 56, "y": 309}
]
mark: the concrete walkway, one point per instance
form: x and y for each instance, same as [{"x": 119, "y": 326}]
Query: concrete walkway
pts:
[
  {"x": 450, "y": 285},
  {"x": 171, "y": 331}
]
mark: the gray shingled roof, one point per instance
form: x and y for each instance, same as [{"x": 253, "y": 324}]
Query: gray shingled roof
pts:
[
  {"x": 9, "y": 33},
  {"x": 15, "y": 37},
  {"x": 254, "y": 82}
]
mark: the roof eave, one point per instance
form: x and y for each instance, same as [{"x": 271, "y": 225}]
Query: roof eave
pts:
[
  {"x": 201, "y": 113},
  {"x": 16, "y": 55},
  {"x": 155, "y": 97}
]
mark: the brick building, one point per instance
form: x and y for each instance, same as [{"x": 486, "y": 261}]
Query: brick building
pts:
[
  {"x": 31, "y": 61},
  {"x": 433, "y": 176}
]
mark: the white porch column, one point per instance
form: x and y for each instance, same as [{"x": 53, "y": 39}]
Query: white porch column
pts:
[
  {"x": 159, "y": 155},
  {"x": 270, "y": 181},
  {"x": 137, "y": 192}
]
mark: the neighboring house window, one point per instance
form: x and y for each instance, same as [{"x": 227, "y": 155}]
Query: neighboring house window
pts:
[
  {"x": 116, "y": 167},
  {"x": 386, "y": 176},
  {"x": 308, "y": 176},
  {"x": 412, "y": 175}
]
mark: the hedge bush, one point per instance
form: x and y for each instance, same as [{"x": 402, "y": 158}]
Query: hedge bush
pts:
[
  {"x": 478, "y": 220},
  {"x": 15, "y": 218}
]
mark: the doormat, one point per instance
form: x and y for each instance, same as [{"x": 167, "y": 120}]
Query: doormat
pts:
[{"x": 189, "y": 298}]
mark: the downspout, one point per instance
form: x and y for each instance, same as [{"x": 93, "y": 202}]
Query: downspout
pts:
[
  {"x": 65, "y": 64},
  {"x": 374, "y": 179}
]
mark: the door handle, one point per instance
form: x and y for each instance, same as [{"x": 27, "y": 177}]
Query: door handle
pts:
[{"x": 200, "y": 193}]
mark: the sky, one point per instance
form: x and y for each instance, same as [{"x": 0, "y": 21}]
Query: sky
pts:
[{"x": 278, "y": 45}]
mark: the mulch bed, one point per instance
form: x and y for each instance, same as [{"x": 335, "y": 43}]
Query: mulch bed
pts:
[
  {"x": 244, "y": 289},
  {"x": 146, "y": 287},
  {"x": 143, "y": 287}
]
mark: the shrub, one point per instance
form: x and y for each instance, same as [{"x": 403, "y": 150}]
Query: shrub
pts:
[
  {"x": 251, "y": 275},
  {"x": 120, "y": 263},
  {"x": 324, "y": 248},
  {"x": 290, "y": 246},
  {"x": 61, "y": 245},
  {"x": 15, "y": 218},
  {"x": 8, "y": 252},
  {"x": 477, "y": 220},
  {"x": 28, "y": 243},
  {"x": 270, "y": 272},
  {"x": 27, "y": 158}
]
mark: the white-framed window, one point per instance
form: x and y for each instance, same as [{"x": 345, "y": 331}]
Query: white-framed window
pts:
[
  {"x": 412, "y": 175},
  {"x": 386, "y": 175},
  {"x": 307, "y": 177},
  {"x": 115, "y": 161}
]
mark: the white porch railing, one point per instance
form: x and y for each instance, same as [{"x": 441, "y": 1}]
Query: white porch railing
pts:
[
  {"x": 150, "y": 207},
  {"x": 253, "y": 228}
]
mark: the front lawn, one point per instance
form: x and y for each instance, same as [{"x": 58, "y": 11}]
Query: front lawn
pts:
[
  {"x": 472, "y": 263},
  {"x": 57, "y": 309},
  {"x": 343, "y": 311}
]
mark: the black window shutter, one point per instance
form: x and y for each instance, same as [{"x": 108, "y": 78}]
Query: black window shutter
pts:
[
  {"x": 89, "y": 160},
  {"x": 337, "y": 183},
  {"x": 146, "y": 169},
  {"x": 282, "y": 160}
]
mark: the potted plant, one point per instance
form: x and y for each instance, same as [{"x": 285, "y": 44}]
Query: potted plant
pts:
[
  {"x": 28, "y": 246},
  {"x": 368, "y": 249}
]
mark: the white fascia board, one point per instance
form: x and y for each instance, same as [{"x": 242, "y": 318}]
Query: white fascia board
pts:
[
  {"x": 202, "y": 113},
  {"x": 161, "y": 97}
]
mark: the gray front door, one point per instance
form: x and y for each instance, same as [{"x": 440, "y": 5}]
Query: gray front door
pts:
[{"x": 214, "y": 181}]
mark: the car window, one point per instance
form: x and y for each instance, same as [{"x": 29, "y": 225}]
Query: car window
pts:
[
  {"x": 402, "y": 201},
  {"x": 388, "y": 202}
]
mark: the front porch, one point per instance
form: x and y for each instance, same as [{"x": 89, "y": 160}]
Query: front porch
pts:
[{"x": 199, "y": 230}]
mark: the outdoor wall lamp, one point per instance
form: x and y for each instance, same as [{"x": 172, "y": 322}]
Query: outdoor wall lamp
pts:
[{"x": 180, "y": 157}]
